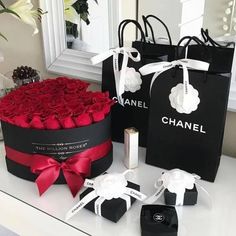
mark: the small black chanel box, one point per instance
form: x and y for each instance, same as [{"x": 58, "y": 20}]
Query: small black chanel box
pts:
[
  {"x": 190, "y": 197},
  {"x": 158, "y": 220},
  {"x": 112, "y": 209}
]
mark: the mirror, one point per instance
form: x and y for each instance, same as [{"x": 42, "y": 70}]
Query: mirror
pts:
[
  {"x": 87, "y": 25},
  {"x": 70, "y": 42},
  {"x": 85, "y": 18}
]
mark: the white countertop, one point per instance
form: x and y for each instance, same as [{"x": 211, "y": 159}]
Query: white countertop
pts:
[{"x": 19, "y": 204}]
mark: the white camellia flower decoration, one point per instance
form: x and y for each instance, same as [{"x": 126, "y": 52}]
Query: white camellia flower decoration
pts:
[
  {"x": 110, "y": 185},
  {"x": 187, "y": 105},
  {"x": 178, "y": 180},
  {"x": 133, "y": 80}
]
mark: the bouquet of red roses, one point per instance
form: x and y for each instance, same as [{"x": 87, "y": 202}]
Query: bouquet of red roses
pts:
[
  {"x": 64, "y": 132},
  {"x": 59, "y": 103}
]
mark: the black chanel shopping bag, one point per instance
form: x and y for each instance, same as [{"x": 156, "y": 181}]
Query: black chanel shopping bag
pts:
[
  {"x": 218, "y": 55},
  {"x": 120, "y": 76},
  {"x": 187, "y": 117}
]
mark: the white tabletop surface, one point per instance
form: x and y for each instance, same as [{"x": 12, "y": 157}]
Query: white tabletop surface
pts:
[{"x": 19, "y": 204}]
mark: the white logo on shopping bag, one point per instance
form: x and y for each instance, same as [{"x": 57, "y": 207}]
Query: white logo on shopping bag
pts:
[
  {"x": 184, "y": 99},
  {"x": 132, "y": 103},
  {"x": 133, "y": 80},
  {"x": 183, "y": 124}
]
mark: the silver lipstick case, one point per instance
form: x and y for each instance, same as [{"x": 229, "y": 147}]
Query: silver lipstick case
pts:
[{"x": 131, "y": 147}]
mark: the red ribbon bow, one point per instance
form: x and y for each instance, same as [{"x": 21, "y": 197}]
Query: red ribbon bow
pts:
[{"x": 75, "y": 170}]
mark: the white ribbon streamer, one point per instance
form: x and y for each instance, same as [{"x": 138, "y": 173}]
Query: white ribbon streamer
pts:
[
  {"x": 88, "y": 183},
  {"x": 118, "y": 74},
  {"x": 156, "y": 195},
  {"x": 81, "y": 204},
  {"x": 97, "y": 206},
  {"x": 160, "y": 67},
  {"x": 135, "y": 194},
  {"x": 107, "y": 187},
  {"x": 127, "y": 199}
]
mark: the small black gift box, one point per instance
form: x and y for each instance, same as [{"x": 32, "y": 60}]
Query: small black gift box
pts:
[
  {"x": 157, "y": 220},
  {"x": 190, "y": 197},
  {"x": 112, "y": 209}
]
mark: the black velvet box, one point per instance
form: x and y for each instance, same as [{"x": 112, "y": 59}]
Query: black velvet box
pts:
[
  {"x": 157, "y": 220},
  {"x": 57, "y": 144},
  {"x": 113, "y": 209},
  {"x": 190, "y": 197}
]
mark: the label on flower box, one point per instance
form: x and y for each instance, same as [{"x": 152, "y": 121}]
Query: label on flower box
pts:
[{"x": 61, "y": 149}]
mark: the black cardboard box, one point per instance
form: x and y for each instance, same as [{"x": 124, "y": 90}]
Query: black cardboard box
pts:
[
  {"x": 190, "y": 197},
  {"x": 158, "y": 220},
  {"x": 113, "y": 209},
  {"x": 58, "y": 144}
]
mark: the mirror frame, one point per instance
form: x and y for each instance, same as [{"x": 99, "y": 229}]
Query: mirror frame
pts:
[{"x": 63, "y": 61}]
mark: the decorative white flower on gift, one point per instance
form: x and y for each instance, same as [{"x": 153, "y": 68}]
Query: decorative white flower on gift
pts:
[
  {"x": 177, "y": 180},
  {"x": 133, "y": 80},
  {"x": 110, "y": 185},
  {"x": 182, "y": 104}
]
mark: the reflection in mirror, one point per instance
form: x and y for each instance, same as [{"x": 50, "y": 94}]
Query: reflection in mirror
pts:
[
  {"x": 87, "y": 25},
  {"x": 88, "y": 22},
  {"x": 186, "y": 17}
]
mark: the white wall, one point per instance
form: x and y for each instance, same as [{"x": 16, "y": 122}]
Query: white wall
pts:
[
  {"x": 214, "y": 12},
  {"x": 21, "y": 48},
  {"x": 167, "y": 10},
  {"x": 128, "y": 11}
]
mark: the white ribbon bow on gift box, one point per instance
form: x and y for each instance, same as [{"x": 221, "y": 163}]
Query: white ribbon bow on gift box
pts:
[
  {"x": 126, "y": 79},
  {"x": 176, "y": 181},
  {"x": 107, "y": 187},
  {"x": 184, "y": 98}
]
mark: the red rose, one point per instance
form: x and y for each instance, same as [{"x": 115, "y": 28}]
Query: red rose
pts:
[
  {"x": 67, "y": 123},
  {"x": 52, "y": 123},
  {"x": 78, "y": 110},
  {"x": 37, "y": 123},
  {"x": 98, "y": 116},
  {"x": 83, "y": 120},
  {"x": 86, "y": 97},
  {"x": 22, "y": 121},
  {"x": 106, "y": 108},
  {"x": 54, "y": 104},
  {"x": 32, "y": 91}
]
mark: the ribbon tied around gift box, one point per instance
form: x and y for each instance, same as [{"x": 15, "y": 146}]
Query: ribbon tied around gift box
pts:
[
  {"x": 175, "y": 181},
  {"x": 183, "y": 97},
  {"x": 107, "y": 187},
  {"x": 75, "y": 169},
  {"x": 126, "y": 79}
]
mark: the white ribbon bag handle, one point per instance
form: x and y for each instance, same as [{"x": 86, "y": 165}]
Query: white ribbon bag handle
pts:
[{"x": 118, "y": 74}]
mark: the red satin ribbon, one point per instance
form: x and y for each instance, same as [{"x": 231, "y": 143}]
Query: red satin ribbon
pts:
[{"x": 75, "y": 169}]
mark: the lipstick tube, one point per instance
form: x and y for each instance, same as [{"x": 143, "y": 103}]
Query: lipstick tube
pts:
[{"x": 131, "y": 148}]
